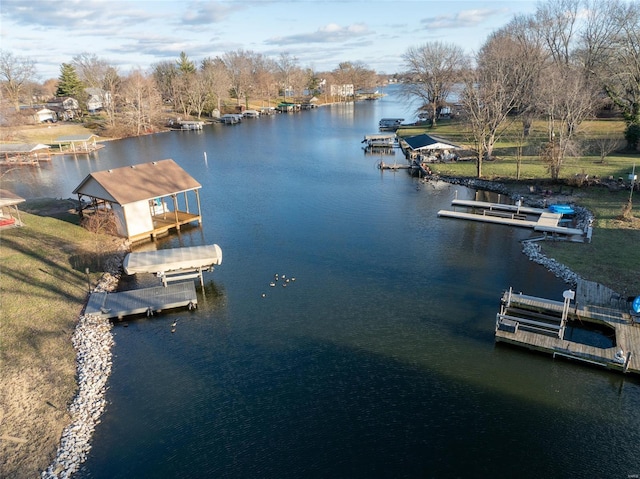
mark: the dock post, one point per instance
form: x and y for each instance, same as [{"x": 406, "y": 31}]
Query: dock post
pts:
[
  {"x": 627, "y": 362},
  {"x": 568, "y": 295}
]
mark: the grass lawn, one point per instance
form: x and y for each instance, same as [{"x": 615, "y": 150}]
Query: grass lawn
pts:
[
  {"x": 42, "y": 134},
  {"x": 43, "y": 288}
]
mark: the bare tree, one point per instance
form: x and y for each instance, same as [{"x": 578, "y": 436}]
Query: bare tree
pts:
[
  {"x": 285, "y": 66},
  {"x": 566, "y": 100},
  {"x": 141, "y": 103},
  {"x": 530, "y": 56},
  {"x": 263, "y": 81},
  {"x": 556, "y": 21},
  {"x": 600, "y": 29},
  {"x": 16, "y": 72},
  {"x": 91, "y": 69},
  {"x": 216, "y": 79},
  {"x": 164, "y": 74},
  {"x": 607, "y": 145},
  {"x": 620, "y": 73},
  {"x": 493, "y": 91},
  {"x": 239, "y": 67},
  {"x": 433, "y": 69}
]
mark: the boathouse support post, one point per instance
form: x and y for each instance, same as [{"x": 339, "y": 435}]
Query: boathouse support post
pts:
[
  {"x": 198, "y": 203},
  {"x": 175, "y": 210}
]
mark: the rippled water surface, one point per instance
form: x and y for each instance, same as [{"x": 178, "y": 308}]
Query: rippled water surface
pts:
[{"x": 378, "y": 361}]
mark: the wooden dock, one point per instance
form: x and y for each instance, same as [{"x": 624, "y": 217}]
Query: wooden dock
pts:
[
  {"x": 538, "y": 219},
  {"x": 538, "y": 324},
  {"x": 142, "y": 301}
]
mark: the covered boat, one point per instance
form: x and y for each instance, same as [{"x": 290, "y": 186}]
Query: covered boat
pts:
[
  {"x": 174, "y": 259},
  {"x": 562, "y": 209}
]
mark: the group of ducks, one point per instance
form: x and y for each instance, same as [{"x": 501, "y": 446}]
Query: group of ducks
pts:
[{"x": 276, "y": 278}]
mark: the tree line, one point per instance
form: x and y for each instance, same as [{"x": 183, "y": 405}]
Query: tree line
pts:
[
  {"x": 562, "y": 63},
  {"x": 136, "y": 102}
]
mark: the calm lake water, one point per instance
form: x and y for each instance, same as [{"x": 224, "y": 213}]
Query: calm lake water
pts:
[{"x": 378, "y": 361}]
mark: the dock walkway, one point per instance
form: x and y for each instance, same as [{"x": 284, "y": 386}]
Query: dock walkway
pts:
[
  {"x": 538, "y": 219},
  {"x": 142, "y": 301},
  {"x": 535, "y": 323}
]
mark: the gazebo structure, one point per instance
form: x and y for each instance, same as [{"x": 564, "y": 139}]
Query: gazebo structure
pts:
[
  {"x": 24, "y": 153},
  {"x": 9, "y": 213},
  {"x": 137, "y": 197},
  {"x": 427, "y": 148},
  {"x": 78, "y": 143}
]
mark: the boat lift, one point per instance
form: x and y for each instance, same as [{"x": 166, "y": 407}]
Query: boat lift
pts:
[{"x": 176, "y": 264}]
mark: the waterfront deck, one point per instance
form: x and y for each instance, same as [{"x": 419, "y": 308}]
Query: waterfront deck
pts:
[
  {"x": 142, "y": 301},
  {"x": 537, "y": 324},
  {"x": 162, "y": 224}
]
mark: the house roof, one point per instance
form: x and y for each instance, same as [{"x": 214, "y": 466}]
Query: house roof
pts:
[
  {"x": 130, "y": 184},
  {"x": 70, "y": 138},
  {"x": 8, "y": 198},
  {"x": 22, "y": 147},
  {"x": 427, "y": 142}
]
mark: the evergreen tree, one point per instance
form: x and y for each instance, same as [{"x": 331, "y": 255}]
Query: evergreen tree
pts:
[
  {"x": 184, "y": 64},
  {"x": 69, "y": 83}
]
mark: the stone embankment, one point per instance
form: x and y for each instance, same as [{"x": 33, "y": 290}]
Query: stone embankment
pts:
[{"x": 92, "y": 340}]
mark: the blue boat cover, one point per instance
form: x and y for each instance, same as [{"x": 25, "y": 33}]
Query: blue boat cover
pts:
[
  {"x": 636, "y": 304},
  {"x": 563, "y": 209}
]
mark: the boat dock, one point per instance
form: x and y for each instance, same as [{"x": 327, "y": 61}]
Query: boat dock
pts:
[
  {"x": 539, "y": 324},
  {"x": 188, "y": 125},
  {"x": 538, "y": 219},
  {"x": 142, "y": 301},
  {"x": 395, "y": 166}
]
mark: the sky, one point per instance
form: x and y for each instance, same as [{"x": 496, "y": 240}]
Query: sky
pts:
[{"x": 320, "y": 34}]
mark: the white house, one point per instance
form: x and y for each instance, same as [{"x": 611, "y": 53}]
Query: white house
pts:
[
  {"x": 45, "y": 114},
  {"x": 97, "y": 99}
]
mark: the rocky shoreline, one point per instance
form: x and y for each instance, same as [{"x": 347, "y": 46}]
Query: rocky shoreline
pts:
[{"x": 92, "y": 340}]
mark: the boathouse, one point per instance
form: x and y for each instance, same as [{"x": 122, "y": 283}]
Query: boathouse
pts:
[
  {"x": 24, "y": 153},
  {"x": 428, "y": 148},
  {"x": 77, "y": 143},
  {"x": 147, "y": 200}
]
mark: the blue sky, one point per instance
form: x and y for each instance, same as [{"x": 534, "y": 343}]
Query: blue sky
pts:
[{"x": 320, "y": 34}]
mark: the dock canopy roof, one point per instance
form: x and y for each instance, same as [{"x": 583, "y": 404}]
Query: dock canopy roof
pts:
[
  {"x": 15, "y": 148},
  {"x": 8, "y": 198},
  {"x": 427, "y": 142},
  {"x": 75, "y": 138},
  {"x": 130, "y": 184}
]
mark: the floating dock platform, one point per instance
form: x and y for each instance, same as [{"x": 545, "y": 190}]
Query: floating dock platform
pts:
[
  {"x": 538, "y": 219},
  {"x": 142, "y": 301},
  {"x": 539, "y": 324}
]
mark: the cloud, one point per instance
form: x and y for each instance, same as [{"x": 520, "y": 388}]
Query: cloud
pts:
[
  {"x": 74, "y": 14},
  {"x": 204, "y": 13},
  {"x": 331, "y": 33},
  {"x": 462, "y": 19}
]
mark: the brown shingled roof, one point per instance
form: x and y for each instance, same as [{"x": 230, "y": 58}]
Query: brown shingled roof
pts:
[{"x": 138, "y": 182}]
